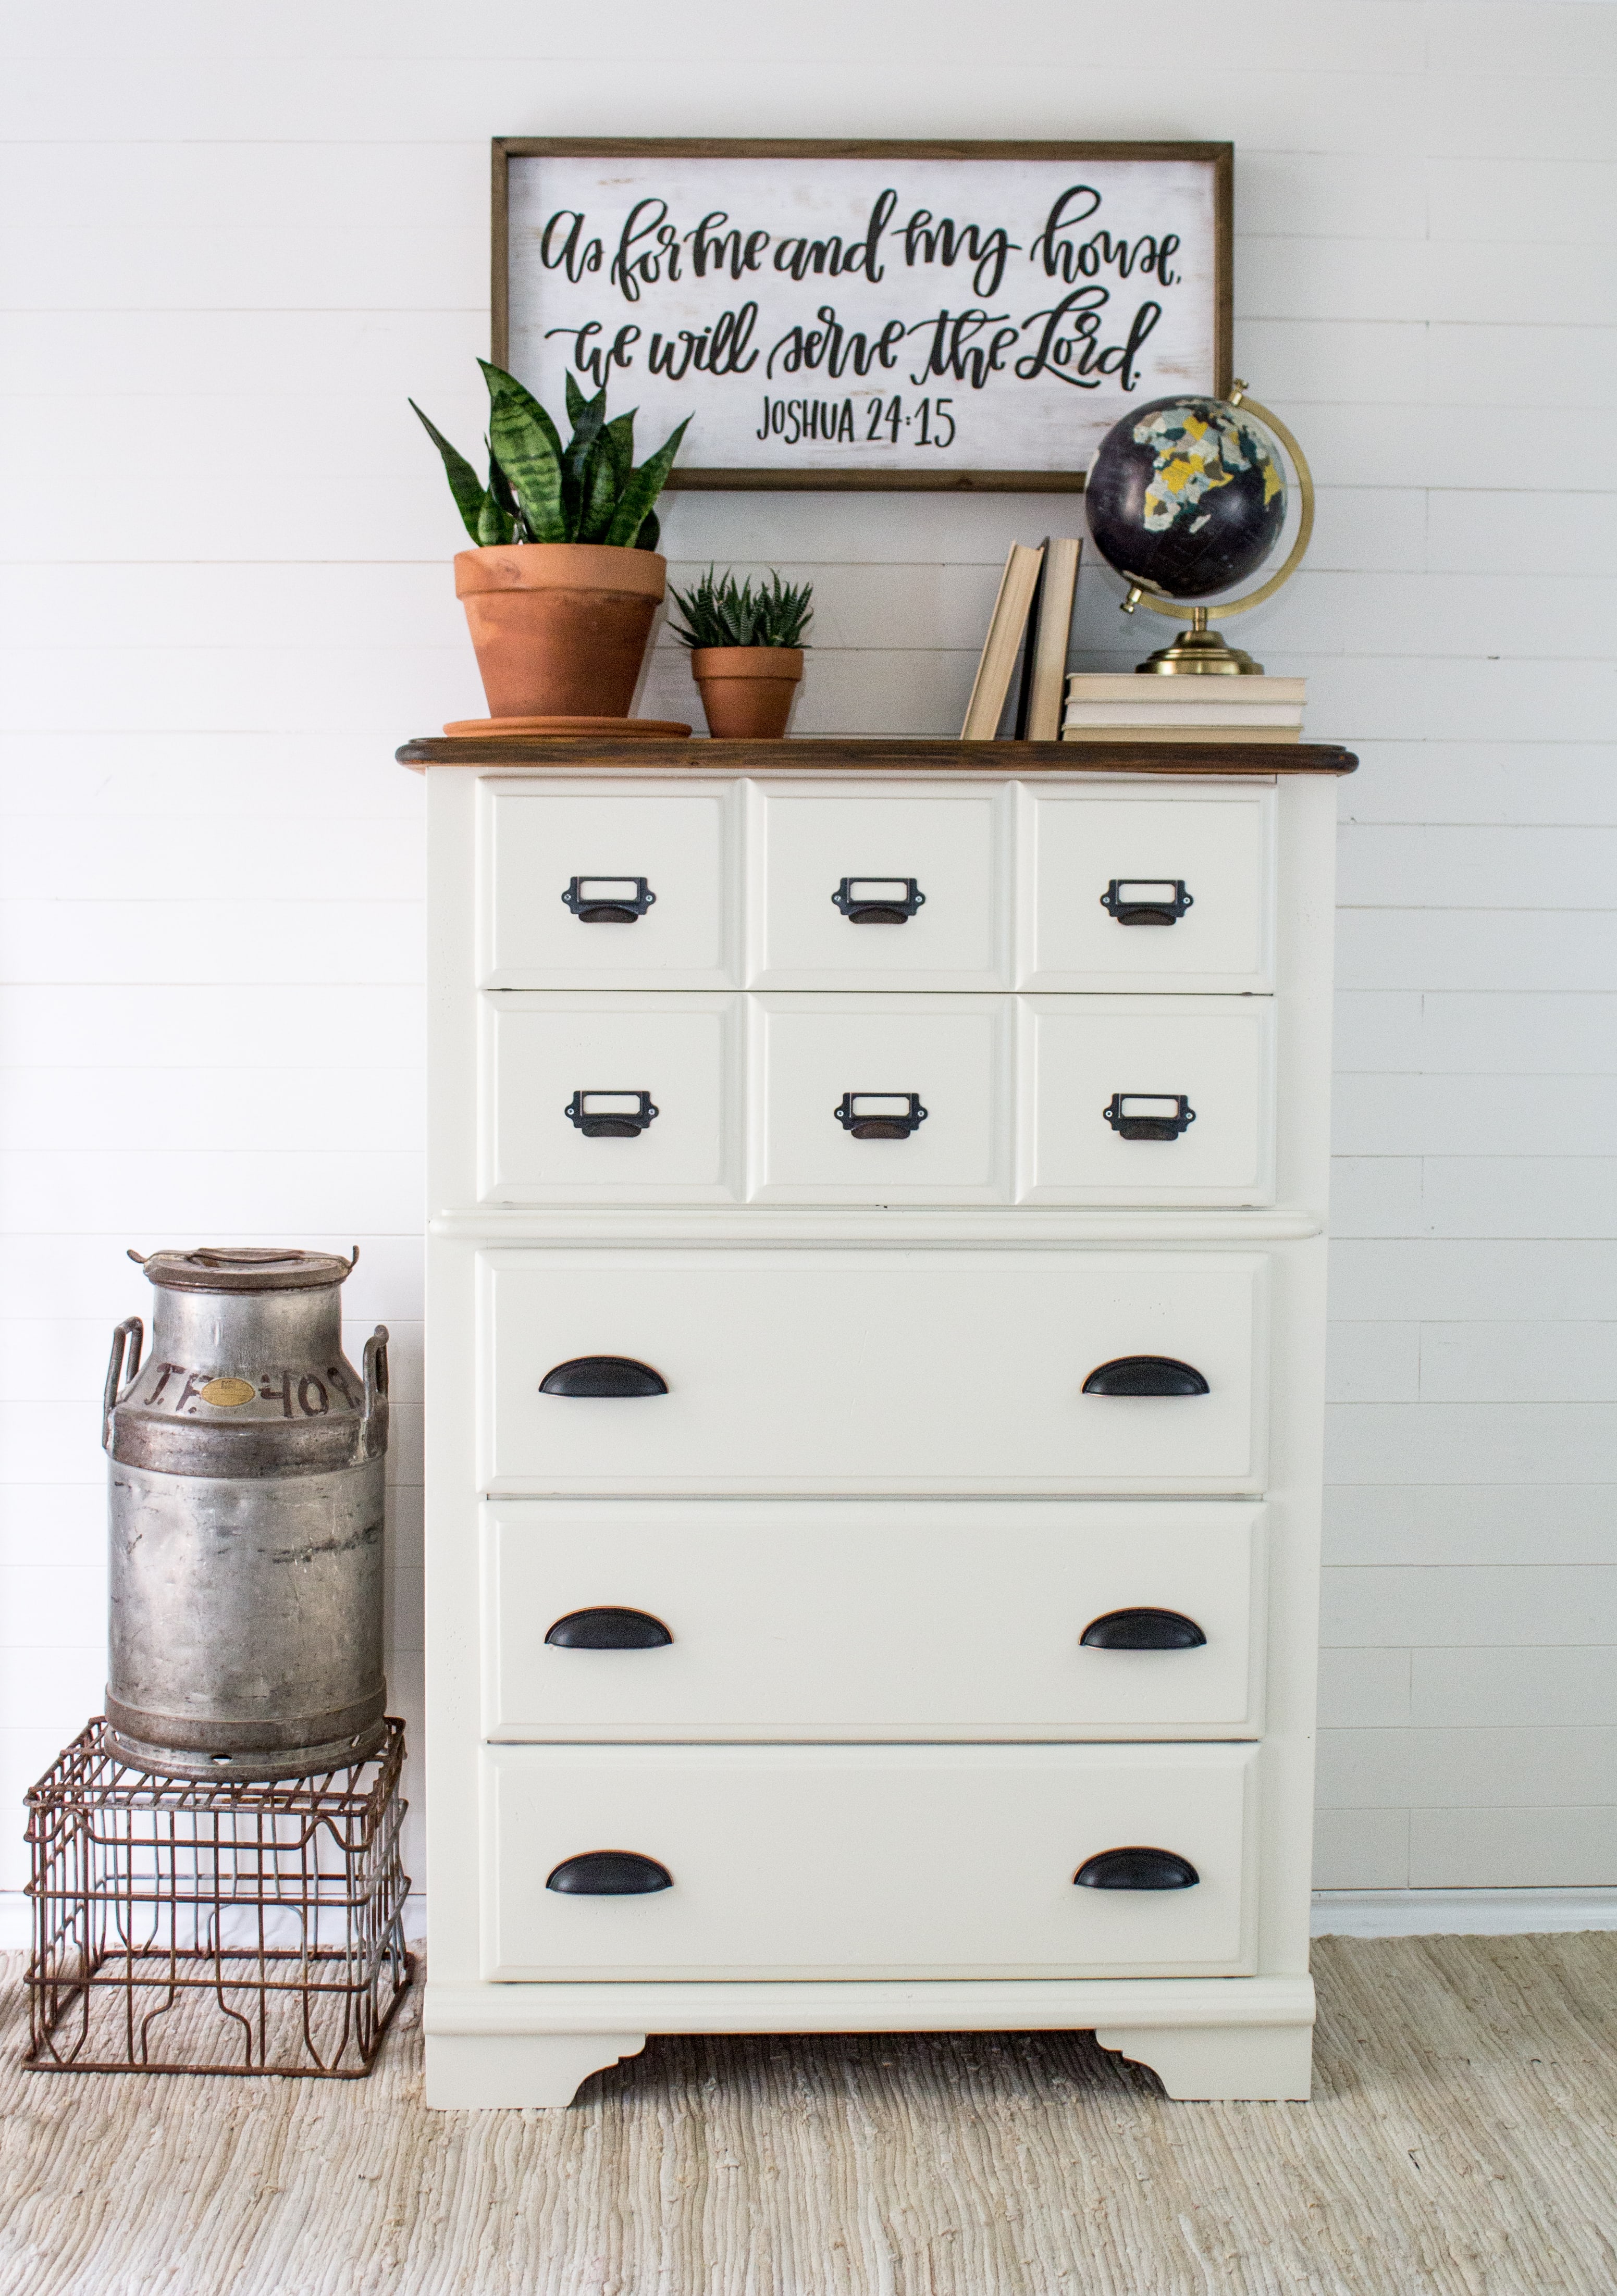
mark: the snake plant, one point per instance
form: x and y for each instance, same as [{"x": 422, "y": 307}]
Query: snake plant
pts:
[
  {"x": 725, "y": 612},
  {"x": 538, "y": 490}
]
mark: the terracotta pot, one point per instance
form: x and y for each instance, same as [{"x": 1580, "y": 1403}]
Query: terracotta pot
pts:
[
  {"x": 747, "y": 691},
  {"x": 560, "y": 628}
]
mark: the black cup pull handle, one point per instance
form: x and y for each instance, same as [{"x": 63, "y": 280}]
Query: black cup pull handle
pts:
[
  {"x": 878, "y": 900},
  {"x": 1145, "y": 1375},
  {"x": 1137, "y": 1869},
  {"x": 610, "y": 1375},
  {"x": 1148, "y": 1115},
  {"x": 879, "y": 1115},
  {"x": 1143, "y": 1629},
  {"x": 1146, "y": 900},
  {"x": 608, "y": 901},
  {"x": 611, "y": 1115},
  {"x": 609, "y": 1873},
  {"x": 609, "y": 1629}
]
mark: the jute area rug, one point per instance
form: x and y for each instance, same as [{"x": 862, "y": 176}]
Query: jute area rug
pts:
[{"x": 1462, "y": 2139}]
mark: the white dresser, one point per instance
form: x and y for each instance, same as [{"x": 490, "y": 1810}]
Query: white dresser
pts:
[{"x": 874, "y": 1380}]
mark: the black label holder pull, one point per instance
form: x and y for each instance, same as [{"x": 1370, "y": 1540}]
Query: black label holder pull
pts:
[
  {"x": 611, "y": 1115},
  {"x": 879, "y": 1115},
  {"x": 1148, "y": 1115},
  {"x": 878, "y": 900},
  {"x": 608, "y": 901},
  {"x": 1146, "y": 900}
]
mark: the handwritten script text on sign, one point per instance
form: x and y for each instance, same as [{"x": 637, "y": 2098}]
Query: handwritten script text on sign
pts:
[{"x": 859, "y": 313}]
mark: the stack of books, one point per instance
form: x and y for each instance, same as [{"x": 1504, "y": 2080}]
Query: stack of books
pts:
[{"x": 1152, "y": 708}]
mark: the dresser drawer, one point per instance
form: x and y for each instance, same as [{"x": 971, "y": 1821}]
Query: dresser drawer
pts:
[
  {"x": 1147, "y": 1100},
  {"x": 891, "y": 891},
  {"x": 880, "y": 1099},
  {"x": 580, "y": 887},
  {"x": 880, "y": 1861},
  {"x": 880, "y": 1371},
  {"x": 603, "y": 1097},
  {"x": 1154, "y": 892},
  {"x": 887, "y": 1619},
  {"x": 609, "y": 1099}
]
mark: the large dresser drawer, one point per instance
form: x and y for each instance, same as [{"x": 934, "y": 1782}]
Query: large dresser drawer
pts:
[
  {"x": 885, "y": 1620},
  {"x": 878, "y": 1861},
  {"x": 885, "y": 1370}
]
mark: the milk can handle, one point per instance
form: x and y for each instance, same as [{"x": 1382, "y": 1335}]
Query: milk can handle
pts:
[
  {"x": 132, "y": 1333},
  {"x": 376, "y": 1385}
]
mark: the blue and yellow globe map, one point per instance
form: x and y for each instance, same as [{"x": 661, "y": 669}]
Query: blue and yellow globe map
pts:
[{"x": 1186, "y": 496}]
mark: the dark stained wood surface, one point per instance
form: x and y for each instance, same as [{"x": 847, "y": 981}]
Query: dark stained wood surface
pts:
[{"x": 843, "y": 757}]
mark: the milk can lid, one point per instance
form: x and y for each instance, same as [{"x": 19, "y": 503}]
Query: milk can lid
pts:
[{"x": 245, "y": 1269}]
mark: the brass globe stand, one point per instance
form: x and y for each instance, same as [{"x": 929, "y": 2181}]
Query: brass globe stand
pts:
[{"x": 1201, "y": 652}]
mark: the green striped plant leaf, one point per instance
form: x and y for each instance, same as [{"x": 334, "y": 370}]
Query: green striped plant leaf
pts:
[
  {"x": 644, "y": 486},
  {"x": 468, "y": 490},
  {"x": 529, "y": 451}
]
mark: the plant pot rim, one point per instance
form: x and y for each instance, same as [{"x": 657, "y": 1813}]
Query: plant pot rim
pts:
[
  {"x": 747, "y": 661},
  {"x": 561, "y": 566}
]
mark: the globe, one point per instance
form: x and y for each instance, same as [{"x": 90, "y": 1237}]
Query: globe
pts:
[{"x": 1186, "y": 496}]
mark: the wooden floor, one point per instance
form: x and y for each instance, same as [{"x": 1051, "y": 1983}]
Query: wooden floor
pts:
[{"x": 1463, "y": 2138}]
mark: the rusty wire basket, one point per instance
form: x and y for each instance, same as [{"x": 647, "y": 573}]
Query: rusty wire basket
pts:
[{"x": 227, "y": 1927}]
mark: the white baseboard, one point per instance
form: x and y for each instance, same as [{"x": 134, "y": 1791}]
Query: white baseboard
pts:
[
  {"x": 1337, "y": 1913},
  {"x": 1461, "y": 1912}
]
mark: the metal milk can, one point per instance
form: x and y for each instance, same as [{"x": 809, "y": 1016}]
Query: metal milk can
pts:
[{"x": 246, "y": 1458}]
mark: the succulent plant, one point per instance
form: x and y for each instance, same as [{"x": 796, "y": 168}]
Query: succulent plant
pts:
[
  {"x": 720, "y": 611},
  {"x": 538, "y": 490}
]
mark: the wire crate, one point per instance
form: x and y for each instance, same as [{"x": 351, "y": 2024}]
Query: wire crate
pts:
[{"x": 237, "y": 1927}]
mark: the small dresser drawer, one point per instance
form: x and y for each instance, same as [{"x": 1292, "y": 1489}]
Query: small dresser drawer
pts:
[
  {"x": 879, "y": 1861},
  {"x": 906, "y": 1371},
  {"x": 1147, "y": 1100},
  {"x": 885, "y": 1620},
  {"x": 891, "y": 891},
  {"x": 880, "y": 1099},
  {"x": 1156, "y": 891},
  {"x": 585, "y": 889},
  {"x": 609, "y": 1099}
]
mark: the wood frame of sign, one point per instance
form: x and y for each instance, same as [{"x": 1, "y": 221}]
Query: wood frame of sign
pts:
[{"x": 744, "y": 302}]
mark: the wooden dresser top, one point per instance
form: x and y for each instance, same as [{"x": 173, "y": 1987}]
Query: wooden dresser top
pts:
[{"x": 1009, "y": 758}]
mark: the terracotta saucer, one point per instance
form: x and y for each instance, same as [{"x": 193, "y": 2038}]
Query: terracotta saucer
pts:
[{"x": 615, "y": 729}]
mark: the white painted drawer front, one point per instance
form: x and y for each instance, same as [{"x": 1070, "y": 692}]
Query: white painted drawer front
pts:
[
  {"x": 904, "y": 1371},
  {"x": 880, "y": 1861},
  {"x": 556, "y": 1069},
  {"x": 1216, "y": 847},
  {"x": 672, "y": 852},
  {"x": 950, "y": 849},
  {"x": 1086, "y": 1061},
  {"x": 885, "y": 1618},
  {"x": 872, "y": 1100}
]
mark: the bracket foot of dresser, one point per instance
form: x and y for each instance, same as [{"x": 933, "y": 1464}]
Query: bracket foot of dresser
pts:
[
  {"x": 1221, "y": 2064},
  {"x": 470, "y": 2072}
]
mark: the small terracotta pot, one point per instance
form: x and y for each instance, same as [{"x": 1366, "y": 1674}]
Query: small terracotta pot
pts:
[
  {"x": 747, "y": 691},
  {"x": 560, "y": 628}
]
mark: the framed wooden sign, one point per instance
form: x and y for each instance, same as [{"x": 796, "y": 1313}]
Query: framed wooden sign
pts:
[{"x": 876, "y": 316}]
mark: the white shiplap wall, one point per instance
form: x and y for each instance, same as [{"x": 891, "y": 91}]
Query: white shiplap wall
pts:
[{"x": 234, "y": 240}]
